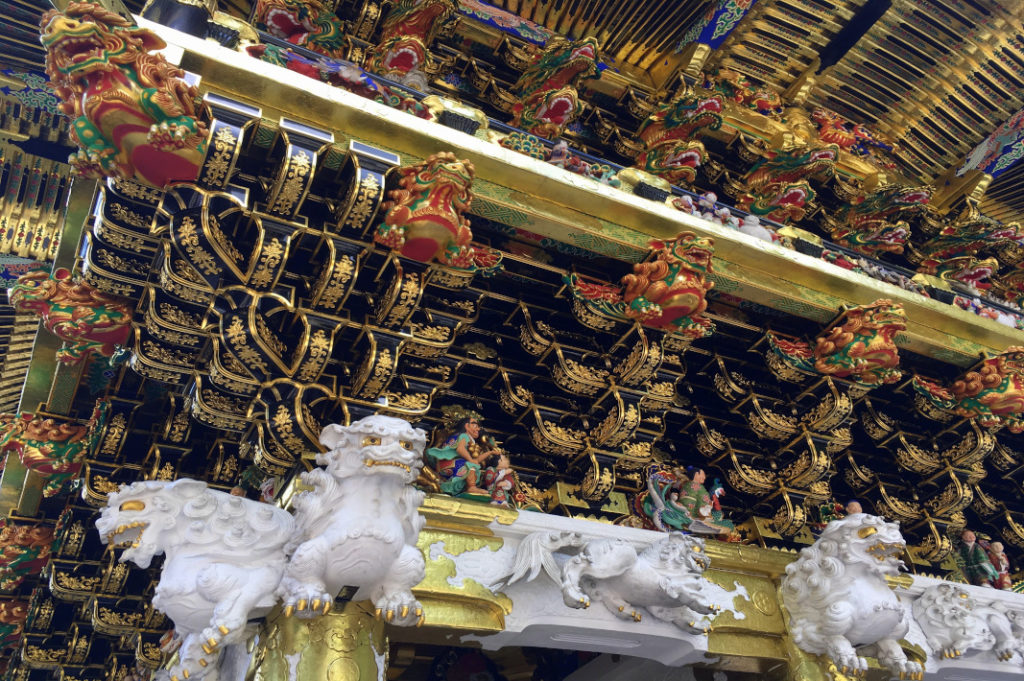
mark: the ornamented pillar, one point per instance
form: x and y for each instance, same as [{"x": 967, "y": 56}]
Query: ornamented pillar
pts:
[{"x": 346, "y": 645}]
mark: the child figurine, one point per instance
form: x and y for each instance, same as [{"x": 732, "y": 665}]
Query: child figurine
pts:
[
  {"x": 559, "y": 154},
  {"x": 685, "y": 204},
  {"x": 1002, "y": 565},
  {"x": 977, "y": 568},
  {"x": 751, "y": 226},
  {"x": 707, "y": 205},
  {"x": 503, "y": 482}
]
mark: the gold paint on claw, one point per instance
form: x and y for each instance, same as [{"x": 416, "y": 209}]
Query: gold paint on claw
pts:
[
  {"x": 289, "y": 610},
  {"x": 223, "y": 630},
  {"x": 315, "y": 604},
  {"x": 202, "y": 662},
  {"x": 301, "y": 605}
]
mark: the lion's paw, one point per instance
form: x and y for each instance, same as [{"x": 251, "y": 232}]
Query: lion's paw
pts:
[
  {"x": 400, "y": 608},
  {"x": 391, "y": 237},
  {"x": 852, "y": 665},
  {"x": 171, "y": 135},
  {"x": 1005, "y": 653},
  {"x": 908, "y": 670},
  {"x": 307, "y": 600}
]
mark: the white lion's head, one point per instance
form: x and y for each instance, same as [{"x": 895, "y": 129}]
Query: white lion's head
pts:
[
  {"x": 862, "y": 544},
  {"x": 865, "y": 540},
  {"x": 945, "y": 613},
  {"x": 152, "y": 517},
  {"x": 373, "y": 445},
  {"x": 137, "y": 516},
  {"x": 678, "y": 552}
]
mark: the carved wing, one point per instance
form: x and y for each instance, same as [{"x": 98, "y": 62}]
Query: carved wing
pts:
[{"x": 536, "y": 551}]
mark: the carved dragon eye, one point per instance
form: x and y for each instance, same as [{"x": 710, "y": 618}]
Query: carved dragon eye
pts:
[
  {"x": 135, "y": 505},
  {"x": 866, "y": 532},
  {"x": 696, "y": 549},
  {"x": 371, "y": 441},
  {"x": 406, "y": 444}
]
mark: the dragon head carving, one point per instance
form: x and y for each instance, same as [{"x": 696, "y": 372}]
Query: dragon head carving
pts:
[
  {"x": 405, "y": 39},
  {"x": 875, "y": 223},
  {"x": 671, "y": 148},
  {"x": 306, "y": 23},
  {"x": 546, "y": 90},
  {"x": 375, "y": 445}
]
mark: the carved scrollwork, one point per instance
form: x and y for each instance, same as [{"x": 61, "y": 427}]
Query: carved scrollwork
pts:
[
  {"x": 341, "y": 261},
  {"x": 363, "y": 174},
  {"x": 381, "y": 351}
]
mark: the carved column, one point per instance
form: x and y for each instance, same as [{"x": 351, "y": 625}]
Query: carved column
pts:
[{"x": 346, "y": 645}]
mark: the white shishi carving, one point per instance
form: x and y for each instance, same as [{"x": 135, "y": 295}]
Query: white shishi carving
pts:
[
  {"x": 954, "y": 623},
  {"x": 224, "y": 557},
  {"x": 665, "y": 578},
  {"x": 839, "y": 603},
  {"x": 359, "y": 524},
  {"x": 229, "y": 558}
]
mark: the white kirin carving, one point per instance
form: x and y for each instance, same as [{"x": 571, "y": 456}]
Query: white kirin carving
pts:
[
  {"x": 953, "y": 623},
  {"x": 359, "y": 524},
  {"x": 838, "y": 600},
  {"x": 224, "y": 558},
  {"x": 664, "y": 578}
]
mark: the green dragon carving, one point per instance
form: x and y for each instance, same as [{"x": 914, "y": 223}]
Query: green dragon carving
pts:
[
  {"x": 875, "y": 223},
  {"x": 546, "y": 91},
  {"x": 671, "y": 148}
]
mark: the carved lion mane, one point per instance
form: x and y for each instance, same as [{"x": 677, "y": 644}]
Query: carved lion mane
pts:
[
  {"x": 820, "y": 586},
  {"x": 152, "y": 517}
]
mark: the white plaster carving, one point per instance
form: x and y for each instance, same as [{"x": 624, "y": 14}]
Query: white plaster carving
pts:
[
  {"x": 838, "y": 600},
  {"x": 359, "y": 524},
  {"x": 224, "y": 557},
  {"x": 954, "y": 623},
  {"x": 665, "y": 578}
]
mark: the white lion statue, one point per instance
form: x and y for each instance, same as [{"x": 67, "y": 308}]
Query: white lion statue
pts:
[
  {"x": 954, "y": 623},
  {"x": 665, "y": 578},
  {"x": 839, "y": 602},
  {"x": 359, "y": 524},
  {"x": 224, "y": 557}
]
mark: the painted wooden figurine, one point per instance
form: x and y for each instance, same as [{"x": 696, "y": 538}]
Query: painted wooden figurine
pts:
[
  {"x": 1002, "y": 565},
  {"x": 978, "y": 569},
  {"x": 459, "y": 460}
]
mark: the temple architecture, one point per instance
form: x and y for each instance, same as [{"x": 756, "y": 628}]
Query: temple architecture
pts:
[{"x": 532, "y": 340}]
